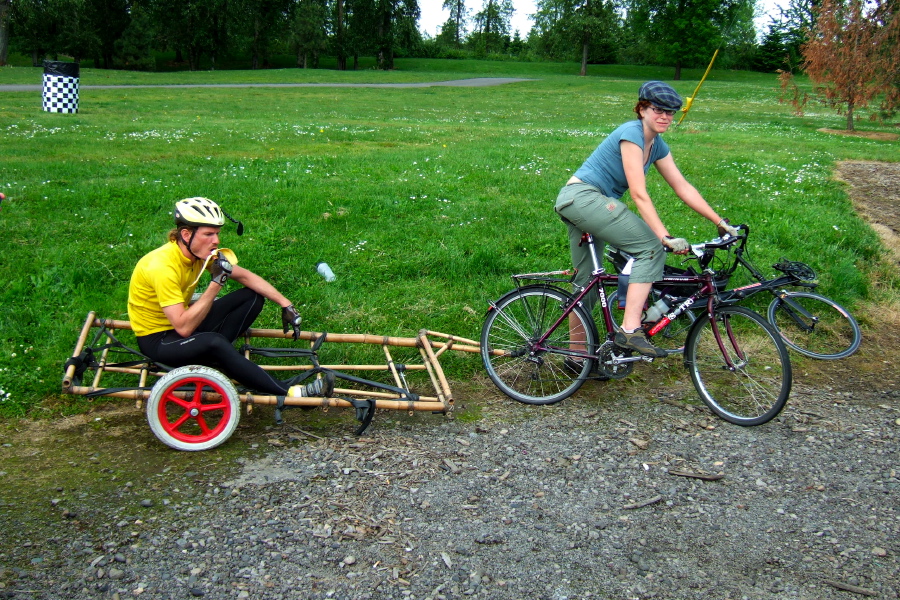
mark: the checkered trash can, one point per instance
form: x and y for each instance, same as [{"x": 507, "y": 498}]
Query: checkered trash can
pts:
[{"x": 60, "y": 87}]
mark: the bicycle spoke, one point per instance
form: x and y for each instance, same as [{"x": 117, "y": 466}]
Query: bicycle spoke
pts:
[
  {"x": 814, "y": 325},
  {"x": 749, "y": 384},
  {"x": 523, "y": 370}
]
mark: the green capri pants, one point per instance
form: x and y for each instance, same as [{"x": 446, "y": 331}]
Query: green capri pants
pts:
[{"x": 583, "y": 208}]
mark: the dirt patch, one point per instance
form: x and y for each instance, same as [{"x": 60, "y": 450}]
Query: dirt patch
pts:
[
  {"x": 875, "y": 191},
  {"x": 870, "y": 135}
]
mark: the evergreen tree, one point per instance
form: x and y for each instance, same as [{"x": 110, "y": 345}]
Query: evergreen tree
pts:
[
  {"x": 458, "y": 14},
  {"x": 361, "y": 28},
  {"x": 79, "y": 35},
  {"x": 135, "y": 47},
  {"x": 578, "y": 29},
  {"x": 772, "y": 53},
  {"x": 686, "y": 33},
  {"x": 4, "y": 31},
  {"x": 395, "y": 29},
  {"x": 263, "y": 23},
  {"x": 492, "y": 25},
  {"x": 308, "y": 32},
  {"x": 797, "y": 20},
  {"x": 109, "y": 18},
  {"x": 449, "y": 37},
  {"x": 35, "y": 26}
]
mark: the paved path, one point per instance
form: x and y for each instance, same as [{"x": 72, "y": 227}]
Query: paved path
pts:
[{"x": 477, "y": 82}]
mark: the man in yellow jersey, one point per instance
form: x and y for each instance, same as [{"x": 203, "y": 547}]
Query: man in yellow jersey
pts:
[{"x": 175, "y": 332}]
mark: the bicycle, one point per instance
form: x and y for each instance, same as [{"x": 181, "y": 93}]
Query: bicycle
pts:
[
  {"x": 532, "y": 348},
  {"x": 809, "y": 323}
]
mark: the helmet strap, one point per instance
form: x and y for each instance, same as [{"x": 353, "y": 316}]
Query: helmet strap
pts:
[
  {"x": 190, "y": 241},
  {"x": 240, "y": 225}
]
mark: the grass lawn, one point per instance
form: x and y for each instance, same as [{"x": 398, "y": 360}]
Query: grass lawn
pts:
[{"x": 422, "y": 200}]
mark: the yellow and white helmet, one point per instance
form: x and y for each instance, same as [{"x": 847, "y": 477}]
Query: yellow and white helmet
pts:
[{"x": 197, "y": 212}]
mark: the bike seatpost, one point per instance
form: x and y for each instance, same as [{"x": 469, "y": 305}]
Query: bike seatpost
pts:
[{"x": 587, "y": 238}]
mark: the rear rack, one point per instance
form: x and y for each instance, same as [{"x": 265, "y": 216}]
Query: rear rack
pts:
[{"x": 547, "y": 276}]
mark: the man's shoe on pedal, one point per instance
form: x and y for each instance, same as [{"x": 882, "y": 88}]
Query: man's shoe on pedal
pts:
[
  {"x": 637, "y": 341},
  {"x": 320, "y": 388}
]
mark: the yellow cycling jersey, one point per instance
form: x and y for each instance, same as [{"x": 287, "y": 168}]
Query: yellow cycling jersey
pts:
[{"x": 163, "y": 277}]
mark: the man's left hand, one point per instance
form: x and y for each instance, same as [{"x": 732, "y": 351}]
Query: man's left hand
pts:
[
  {"x": 290, "y": 319},
  {"x": 220, "y": 270}
]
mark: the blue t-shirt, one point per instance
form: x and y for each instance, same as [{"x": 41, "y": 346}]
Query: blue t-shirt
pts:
[{"x": 604, "y": 170}]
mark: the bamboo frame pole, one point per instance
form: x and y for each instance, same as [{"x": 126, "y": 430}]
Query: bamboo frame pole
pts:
[
  {"x": 392, "y": 403},
  {"x": 452, "y": 337},
  {"x": 434, "y": 382},
  {"x": 142, "y": 382},
  {"x": 386, "y": 401},
  {"x": 102, "y": 363},
  {"x": 432, "y": 361},
  {"x": 79, "y": 346},
  {"x": 392, "y": 367},
  {"x": 351, "y": 338},
  {"x": 337, "y": 367}
]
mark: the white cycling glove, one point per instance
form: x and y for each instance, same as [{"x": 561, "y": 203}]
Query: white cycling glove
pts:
[
  {"x": 676, "y": 244},
  {"x": 725, "y": 227}
]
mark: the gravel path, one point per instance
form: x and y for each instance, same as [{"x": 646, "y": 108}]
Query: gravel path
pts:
[{"x": 621, "y": 498}]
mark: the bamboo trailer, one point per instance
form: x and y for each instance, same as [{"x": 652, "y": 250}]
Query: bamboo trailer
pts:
[{"x": 197, "y": 407}]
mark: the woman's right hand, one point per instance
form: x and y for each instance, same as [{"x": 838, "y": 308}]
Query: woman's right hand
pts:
[{"x": 676, "y": 245}]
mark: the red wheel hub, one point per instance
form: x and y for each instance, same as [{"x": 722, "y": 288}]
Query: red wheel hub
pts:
[{"x": 194, "y": 410}]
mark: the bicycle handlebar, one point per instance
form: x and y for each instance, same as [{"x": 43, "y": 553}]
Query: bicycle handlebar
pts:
[
  {"x": 720, "y": 242},
  {"x": 703, "y": 252}
]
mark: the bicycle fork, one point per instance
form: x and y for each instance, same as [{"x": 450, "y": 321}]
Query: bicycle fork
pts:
[
  {"x": 799, "y": 315},
  {"x": 730, "y": 365}
]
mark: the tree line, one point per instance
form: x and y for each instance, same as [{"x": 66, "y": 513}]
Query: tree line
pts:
[
  {"x": 128, "y": 33},
  {"x": 678, "y": 33}
]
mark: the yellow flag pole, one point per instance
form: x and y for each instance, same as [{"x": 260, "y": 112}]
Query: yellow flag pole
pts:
[{"x": 689, "y": 101}]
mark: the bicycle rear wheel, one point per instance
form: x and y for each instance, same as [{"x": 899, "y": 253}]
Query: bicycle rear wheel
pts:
[
  {"x": 671, "y": 337},
  {"x": 755, "y": 389},
  {"x": 814, "y": 325},
  {"x": 508, "y": 351}
]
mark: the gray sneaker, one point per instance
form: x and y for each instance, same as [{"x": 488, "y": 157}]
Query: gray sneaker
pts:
[
  {"x": 638, "y": 342},
  {"x": 323, "y": 387}
]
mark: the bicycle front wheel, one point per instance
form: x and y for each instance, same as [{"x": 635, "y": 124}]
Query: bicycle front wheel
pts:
[
  {"x": 814, "y": 325},
  {"x": 753, "y": 384},
  {"x": 527, "y": 374}
]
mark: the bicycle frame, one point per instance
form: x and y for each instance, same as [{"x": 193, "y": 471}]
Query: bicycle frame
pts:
[
  {"x": 762, "y": 282},
  {"x": 600, "y": 279},
  {"x": 776, "y": 285}
]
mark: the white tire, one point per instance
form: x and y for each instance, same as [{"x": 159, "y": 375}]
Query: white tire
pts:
[{"x": 193, "y": 408}]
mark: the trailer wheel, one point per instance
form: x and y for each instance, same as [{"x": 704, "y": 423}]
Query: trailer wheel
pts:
[{"x": 193, "y": 408}]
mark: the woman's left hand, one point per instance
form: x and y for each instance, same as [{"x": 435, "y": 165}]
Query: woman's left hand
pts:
[{"x": 724, "y": 227}]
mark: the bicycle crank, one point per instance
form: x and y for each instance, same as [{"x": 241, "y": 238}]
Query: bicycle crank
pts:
[{"x": 614, "y": 362}]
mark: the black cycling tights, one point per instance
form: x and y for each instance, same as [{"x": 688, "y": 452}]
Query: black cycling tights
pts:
[{"x": 212, "y": 343}]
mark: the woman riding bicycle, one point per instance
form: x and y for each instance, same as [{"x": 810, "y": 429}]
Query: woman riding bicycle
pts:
[{"x": 590, "y": 202}]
